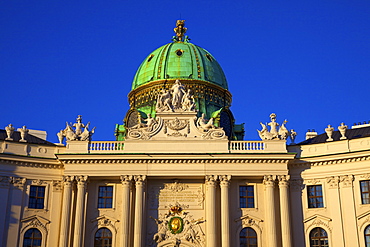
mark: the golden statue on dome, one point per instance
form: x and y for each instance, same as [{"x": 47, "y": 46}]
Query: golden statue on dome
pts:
[{"x": 180, "y": 29}]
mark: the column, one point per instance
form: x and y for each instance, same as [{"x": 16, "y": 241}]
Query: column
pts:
[
  {"x": 269, "y": 182},
  {"x": 225, "y": 213},
  {"x": 285, "y": 210},
  {"x": 139, "y": 210},
  {"x": 126, "y": 186},
  {"x": 66, "y": 211},
  {"x": 211, "y": 210},
  {"x": 80, "y": 211}
]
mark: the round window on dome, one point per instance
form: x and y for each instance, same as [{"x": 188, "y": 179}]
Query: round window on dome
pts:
[
  {"x": 150, "y": 58},
  {"x": 179, "y": 52},
  {"x": 209, "y": 57}
]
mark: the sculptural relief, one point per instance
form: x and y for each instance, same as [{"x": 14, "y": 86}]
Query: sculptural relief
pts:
[
  {"x": 145, "y": 128},
  {"x": 176, "y": 118},
  {"x": 208, "y": 129},
  {"x": 177, "y": 99},
  {"x": 177, "y": 226}
]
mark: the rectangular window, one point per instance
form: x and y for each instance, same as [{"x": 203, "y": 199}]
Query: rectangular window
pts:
[
  {"x": 105, "y": 199},
  {"x": 315, "y": 199},
  {"x": 365, "y": 191},
  {"x": 37, "y": 197},
  {"x": 246, "y": 196}
]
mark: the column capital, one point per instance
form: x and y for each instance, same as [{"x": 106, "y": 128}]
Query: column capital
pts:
[
  {"x": 126, "y": 180},
  {"x": 68, "y": 180},
  {"x": 346, "y": 180},
  {"x": 211, "y": 179},
  {"x": 140, "y": 179},
  {"x": 82, "y": 179},
  {"x": 19, "y": 182},
  {"x": 296, "y": 185},
  {"x": 225, "y": 180},
  {"x": 269, "y": 180},
  {"x": 283, "y": 180},
  {"x": 5, "y": 181},
  {"x": 333, "y": 182}
]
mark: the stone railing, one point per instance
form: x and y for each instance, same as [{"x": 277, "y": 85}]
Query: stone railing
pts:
[
  {"x": 246, "y": 146},
  {"x": 106, "y": 146},
  {"x": 230, "y": 147}
]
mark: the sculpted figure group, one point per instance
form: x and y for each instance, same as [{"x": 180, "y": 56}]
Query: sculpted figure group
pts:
[
  {"x": 275, "y": 134},
  {"x": 176, "y": 99},
  {"x": 80, "y": 132}
]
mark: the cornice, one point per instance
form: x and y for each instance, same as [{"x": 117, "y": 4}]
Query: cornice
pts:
[
  {"x": 175, "y": 161},
  {"x": 29, "y": 162},
  {"x": 305, "y": 163}
]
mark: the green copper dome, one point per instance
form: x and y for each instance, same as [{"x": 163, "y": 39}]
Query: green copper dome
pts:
[{"x": 180, "y": 60}]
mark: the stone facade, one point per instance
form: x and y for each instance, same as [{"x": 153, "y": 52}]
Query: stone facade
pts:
[{"x": 200, "y": 190}]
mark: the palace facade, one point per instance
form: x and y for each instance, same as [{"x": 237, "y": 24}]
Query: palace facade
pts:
[{"x": 180, "y": 173}]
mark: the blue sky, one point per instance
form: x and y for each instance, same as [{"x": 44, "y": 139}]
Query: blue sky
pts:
[{"x": 306, "y": 61}]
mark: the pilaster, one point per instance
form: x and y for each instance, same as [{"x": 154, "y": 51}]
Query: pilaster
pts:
[
  {"x": 225, "y": 212},
  {"x": 348, "y": 206},
  {"x": 139, "y": 230},
  {"x": 285, "y": 210},
  {"x": 4, "y": 195},
  {"x": 66, "y": 211},
  {"x": 269, "y": 182},
  {"x": 211, "y": 181},
  {"x": 80, "y": 211},
  {"x": 126, "y": 187},
  {"x": 334, "y": 201}
]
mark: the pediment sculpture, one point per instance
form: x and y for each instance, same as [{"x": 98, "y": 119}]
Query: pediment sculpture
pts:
[
  {"x": 274, "y": 133},
  {"x": 76, "y": 132},
  {"x": 178, "y": 226},
  {"x": 175, "y": 126},
  {"x": 145, "y": 128}
]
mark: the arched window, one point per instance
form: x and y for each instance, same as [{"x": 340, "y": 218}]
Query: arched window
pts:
[
  {"x": 367, "y": 236},
  {"x": 32, "y": 238},
  {"x": 103, "y": 238},
  {"x": 248, "y": 237},
  {"x": 319, "y": 238}
]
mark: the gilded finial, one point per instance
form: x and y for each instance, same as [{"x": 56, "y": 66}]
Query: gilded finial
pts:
[{"x": 180, "y": 29}]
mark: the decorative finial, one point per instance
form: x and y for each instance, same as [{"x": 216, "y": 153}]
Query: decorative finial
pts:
[{"x": 180, "y": 29}]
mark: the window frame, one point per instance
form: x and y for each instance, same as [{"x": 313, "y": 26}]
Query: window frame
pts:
[
  {"x": 367, "y": 192},
  {"x": 309, "y": 236},
  {"x": 248, "y": 227},
  {"x": 36, "y": 197},
  {"x": 246, "y": 203},
  {"x": 32, "y": 228},
  {"x": 367, "y": 228},
  {"x": 46, "y": 195},
  {"x": 113, "y": 195},
  {"x": 103, "y": 228},
  {"x": 308, "y": 196}
]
